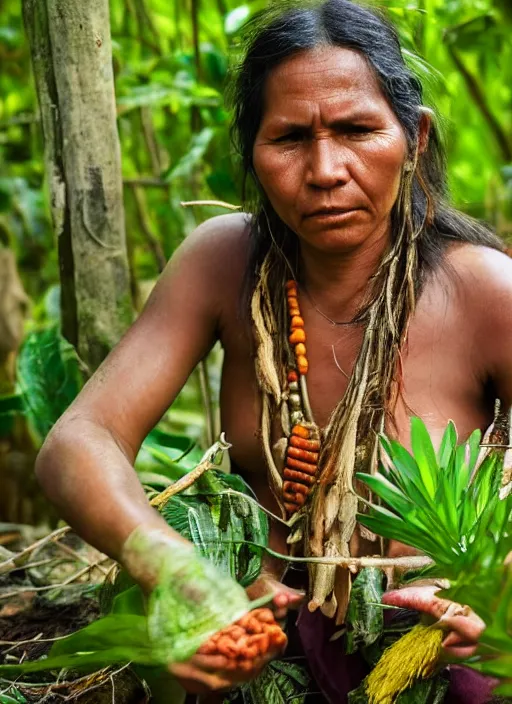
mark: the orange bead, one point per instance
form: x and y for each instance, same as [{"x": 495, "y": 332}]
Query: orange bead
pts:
[
  {"x": 305, "y": 478},
  {"x": 291, "y": 508},
  {"x": 293, "y": 302},
  {"x": 303, "y": 455},
  {"x": 300, "y": 349},
  {"x": 304, "y": 444},
  {"x": 295, "y": 487},
  {"x": 303, "y": 365},
  {"x": 291, "y": 285},
  {"x": 298, "y": 335},
  {"x": 293, "y": 376},
  {"x": 300, "y": 466},
  {"x": 293, "y": 312},
  {"x": 301, "y": 431},
  {"x": 296, "y": 322}
]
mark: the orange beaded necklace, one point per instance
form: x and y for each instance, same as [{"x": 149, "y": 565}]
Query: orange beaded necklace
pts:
[{"x": 303, "y": 449}]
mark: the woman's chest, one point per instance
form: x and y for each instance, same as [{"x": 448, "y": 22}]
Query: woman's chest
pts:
[{"x": 438, "y": 367}]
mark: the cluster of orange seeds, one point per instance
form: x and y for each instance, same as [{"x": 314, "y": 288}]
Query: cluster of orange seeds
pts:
[
  {"x": 297, "y": 337},
  {"x": 300, "y": 469},
  {"x": 251, "y": 637}
]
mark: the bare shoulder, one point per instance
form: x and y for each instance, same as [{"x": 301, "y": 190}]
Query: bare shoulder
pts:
[
  {"x": 479, "y": 263},
  {"x": 222, "y": 239},
  {"x": 483, "y": 281},
  {"x": 484, "y": 276}
]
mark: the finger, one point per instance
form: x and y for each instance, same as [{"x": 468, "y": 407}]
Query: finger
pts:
[
  {"x": 461, "y": 652},
  {"x": 197, "y": 681},
  {"x": 470, "y": 627},
  {"x": 452, "y": 639},
  {"x": 209, "y": 663},
  {"x": 419, "y": 599},
  {"x": 281, "y": 600},
  {"x": 280, "y": 614}
]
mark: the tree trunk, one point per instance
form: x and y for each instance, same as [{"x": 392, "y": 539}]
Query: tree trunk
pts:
[{"x": 72, "y": 61}]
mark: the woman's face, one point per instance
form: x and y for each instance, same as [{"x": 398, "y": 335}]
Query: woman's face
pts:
[{"x": 329, "y": 150}]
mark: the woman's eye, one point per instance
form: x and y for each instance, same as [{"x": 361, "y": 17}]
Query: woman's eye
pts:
[
  {"x": 357, "y": 130},
  {"x": 290, "y": 137}
]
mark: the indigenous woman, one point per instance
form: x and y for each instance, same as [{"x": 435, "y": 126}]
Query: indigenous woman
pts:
[{"x": 348, "y": 298}]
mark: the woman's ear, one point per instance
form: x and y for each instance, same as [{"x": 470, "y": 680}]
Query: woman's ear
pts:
[{"x": 424, "y": 129}]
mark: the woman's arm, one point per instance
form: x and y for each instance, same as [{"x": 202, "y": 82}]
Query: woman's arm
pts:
[{"x": 86, "y": 463}]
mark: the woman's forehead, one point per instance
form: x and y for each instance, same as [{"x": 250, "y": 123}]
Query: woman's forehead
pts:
[{"x": 333, "y": 76}]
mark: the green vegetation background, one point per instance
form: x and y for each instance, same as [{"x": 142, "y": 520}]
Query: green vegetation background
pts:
[{"x": 171, "y": 60}]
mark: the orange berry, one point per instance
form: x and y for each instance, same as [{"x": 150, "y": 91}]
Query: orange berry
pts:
[
  {"x": 300, "y": 349},
  {"x": 293, "y": 302},
  {"x": 301, "y": 431},
  {"x": 298, "y": 335},
  {"x": 294, "y": 311},
  {"x": 302, "y": 364},
  {"x": 296, "y": 322}
]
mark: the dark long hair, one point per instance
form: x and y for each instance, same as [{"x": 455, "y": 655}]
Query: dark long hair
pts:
[
  {"x": 423, "y": 224},
  {"x": 289, "y": 29}
]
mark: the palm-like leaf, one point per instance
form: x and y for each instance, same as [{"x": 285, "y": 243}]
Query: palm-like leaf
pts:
[
  {"x": 448, "y": 507},
  {"x": 441, "y": 503}
]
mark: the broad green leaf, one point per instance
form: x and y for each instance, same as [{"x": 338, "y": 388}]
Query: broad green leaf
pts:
[
  {"x": 223, "y": 525},
  {"x": 365, "y": 616},
  {"x": 49, "y": 377},
  {"x": 281, "y": 682}
]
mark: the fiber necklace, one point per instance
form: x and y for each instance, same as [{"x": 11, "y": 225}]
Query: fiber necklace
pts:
[{"x": 301, "y": 465}]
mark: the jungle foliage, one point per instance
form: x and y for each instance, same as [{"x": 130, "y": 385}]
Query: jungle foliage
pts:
[{"x": 171, "y": 62}]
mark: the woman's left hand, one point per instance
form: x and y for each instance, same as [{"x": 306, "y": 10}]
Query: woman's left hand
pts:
[
  {"x": 285, "y": 598},
  {"x": 462, "y": 625}
]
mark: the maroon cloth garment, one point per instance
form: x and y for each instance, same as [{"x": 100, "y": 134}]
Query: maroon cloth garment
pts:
[
  {"x": 468, "y": 686},
  {"x": 337, "y": 673}
]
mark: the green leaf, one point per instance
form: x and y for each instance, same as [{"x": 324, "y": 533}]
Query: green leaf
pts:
[
  {"x": 113, "y": 639},
  {"x": 49, "y": 377},
  {"x": 225, "y": 527},
  {"x": 12, "y": 697},
  {"x": 10, "y": 403},
  {"x": 365, "y": 618},
  {"x": 281, "y": 682},
  {"x": 448, "y": 446},
  {"x": 424, "y": 455},
  {"x": 238, "y": 17},
  {"x": 388, "y": 492},
  {"x": 190, "y": 162}
]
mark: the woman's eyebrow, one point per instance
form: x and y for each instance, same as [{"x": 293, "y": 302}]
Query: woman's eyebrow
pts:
[{"x": 282, "y": 124}]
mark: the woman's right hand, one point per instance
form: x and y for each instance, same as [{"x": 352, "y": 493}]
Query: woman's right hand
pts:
[{"x": 212, "y": 673}]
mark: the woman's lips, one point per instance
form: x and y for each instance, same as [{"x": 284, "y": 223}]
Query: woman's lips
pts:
[{"x": 332, "y": 215}]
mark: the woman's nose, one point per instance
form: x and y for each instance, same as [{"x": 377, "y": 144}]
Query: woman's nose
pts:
[{"x": 327, "y": 166}]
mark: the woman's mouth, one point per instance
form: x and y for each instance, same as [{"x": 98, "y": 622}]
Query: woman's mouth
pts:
[{"x": 331, "y": 215}]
